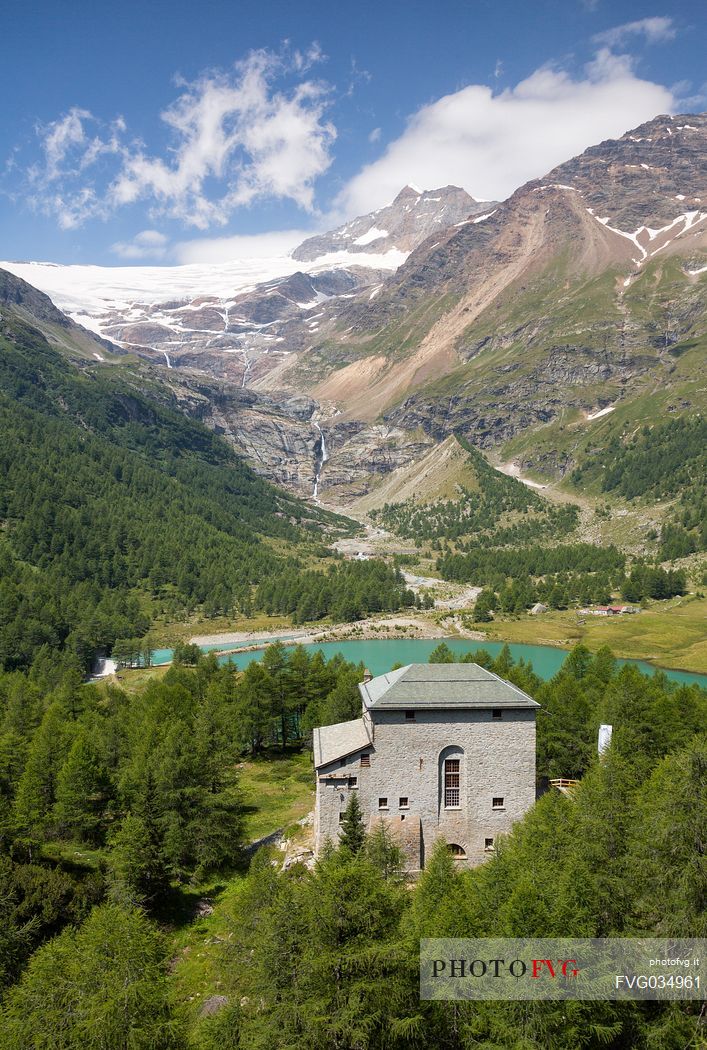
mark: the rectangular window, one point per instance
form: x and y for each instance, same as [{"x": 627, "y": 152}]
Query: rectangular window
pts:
[
  {"x": 353, "y": 782},
  {"x": 382, "y": 803},
  {"x": 488, "y": 844},
  {"x": 365, "y": 760},
  {"x": 498, "y": 803},
  {"x": 341, "y": 818},
  {"x": 409, "y": 716},
  {"x": 497, "y": 712},
  {"x": 451, "y": 783},
  {"x": 403, "y": 803}
]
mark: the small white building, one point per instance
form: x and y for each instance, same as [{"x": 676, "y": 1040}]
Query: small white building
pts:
[{"x": 440, "y": 751}]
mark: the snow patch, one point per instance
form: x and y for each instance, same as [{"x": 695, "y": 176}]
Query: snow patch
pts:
[
  {"x": 389, "y": 260},
  {"x": 374, "y": 234},
  {"x": 600, "y": 413}
]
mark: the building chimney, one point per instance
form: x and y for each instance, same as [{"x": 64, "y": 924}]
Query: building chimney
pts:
[{"x": 367, "y": 676}]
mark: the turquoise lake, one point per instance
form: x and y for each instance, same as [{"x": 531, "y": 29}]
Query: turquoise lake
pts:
[{"x": 380, "y": 654}]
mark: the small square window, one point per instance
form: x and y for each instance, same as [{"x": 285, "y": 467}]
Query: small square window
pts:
[
  {"x": 353, "y": 782},
  {"x": 382, "y": 803},
  {"x": 498, "y": 803},
  {"x": 404, "y": 803},
  {"x": 365, "y": 761},
  {"x": 409, "y": 716},
  {"x": 497, "y": 712},
  {"x": 488, "y": 845}
]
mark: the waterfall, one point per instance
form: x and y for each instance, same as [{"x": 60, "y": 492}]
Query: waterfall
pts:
[
  {"x": 320, "y": 460},
  {"x": 166, "y": 357},
  {"x": 247, "y": 365},
  {"x": 103, "y": 667}
]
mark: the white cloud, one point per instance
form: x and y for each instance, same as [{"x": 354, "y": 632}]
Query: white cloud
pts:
[
  {"x": 148, "y": 244},
  {"x": 656, "y": 30},
  {"x": 70, "y": 146},
  {"x": 61, "y": 138},
  {"x": 236, "y": 138},
  {"x": 242, "y": 246},
  {"x": 690, "y": 100},
  {"x": 238, "y": 130},
  {"x": 374, "y": 136},
  {"x": 492, "y": 143}
]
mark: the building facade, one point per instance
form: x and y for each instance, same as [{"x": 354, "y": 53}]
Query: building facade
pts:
[{"x": 440, "y": 751}]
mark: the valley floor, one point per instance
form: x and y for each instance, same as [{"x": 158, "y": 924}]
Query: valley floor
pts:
[{"x": 670, "y": 634}]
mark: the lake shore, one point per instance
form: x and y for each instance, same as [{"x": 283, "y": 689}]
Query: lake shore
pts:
[
  {"x": 361, "y": 630},
  {"x": 670, "y": 636}
]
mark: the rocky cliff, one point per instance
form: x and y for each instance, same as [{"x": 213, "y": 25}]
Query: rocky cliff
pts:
[
  {"x": 412, "y": 217},
  {"x": 582, "y": 297}
]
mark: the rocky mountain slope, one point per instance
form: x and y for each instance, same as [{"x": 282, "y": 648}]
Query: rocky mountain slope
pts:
[
  {"x": 236, "y": 320},
  {"x": 539, "y": 328},
  {"x": 585, "y": 291},
  {"x": 412, "y": 217},
  {"x": 21, "y": 301}
]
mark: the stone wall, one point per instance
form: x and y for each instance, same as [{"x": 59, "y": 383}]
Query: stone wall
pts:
[{"x": 497, "y": 761}]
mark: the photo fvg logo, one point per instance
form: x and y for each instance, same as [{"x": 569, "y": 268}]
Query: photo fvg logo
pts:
[
  {"x": 518, "y": 968},
  {"x": 552, "y": 968}
]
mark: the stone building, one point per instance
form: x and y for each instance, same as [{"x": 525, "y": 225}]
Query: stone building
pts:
[{"x": 440, "y": 751}]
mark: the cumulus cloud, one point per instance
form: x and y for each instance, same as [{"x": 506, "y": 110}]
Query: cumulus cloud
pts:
[
  {"x": 71, "y": 149},
  {"x": 257, "y": 132},
  {"x": 238, "y": 130},
  {"x": 148, "y": 244},
  {"x": 241, "y": 246},
  {"x": 656, "y": 30},
  {"x": 492, "y": 143}
]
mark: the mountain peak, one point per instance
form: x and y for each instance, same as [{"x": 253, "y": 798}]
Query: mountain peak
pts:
[
  {"x": 408, "y": 191},
  {"x": 400, "y": 227}
]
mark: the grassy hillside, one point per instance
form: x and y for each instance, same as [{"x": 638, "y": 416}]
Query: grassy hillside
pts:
[
  {"x": 113, "y": 506},
  {"x": 455, "y": 494}
]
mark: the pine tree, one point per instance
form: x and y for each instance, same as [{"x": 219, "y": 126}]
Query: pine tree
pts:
[
  {"x": 82, "y": 789},
  {"x": 101, "y": 987},
  {"x": 385, "y": 855},
  {"x": 254, "y": 707},
  {"x": 668, "y": 855},
  {"x": 36, "y": 790},
  {"x": 137, "y": 871},
  {"x": 353, "y": 834},
  {"x": 441, "y": 655}
]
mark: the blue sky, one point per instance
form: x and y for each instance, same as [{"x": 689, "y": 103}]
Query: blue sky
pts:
[{"x": 172, "y": 132}]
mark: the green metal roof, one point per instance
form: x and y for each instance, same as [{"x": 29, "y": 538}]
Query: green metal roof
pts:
[{"x": 441, "y": 686}]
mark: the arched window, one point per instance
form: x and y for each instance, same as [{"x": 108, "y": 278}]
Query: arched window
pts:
[
  {"x": 457, "y": 851},
  {"x": 450, "y": 778},
  {"x": 452, "y": 774}
]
